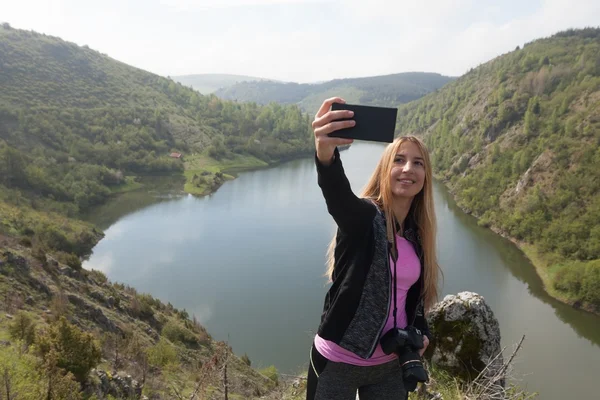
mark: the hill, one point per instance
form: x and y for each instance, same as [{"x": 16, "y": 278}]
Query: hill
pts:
[
  {"x": 518, "y": 142},
  {"x": 210, "y": 83},
  {"x": 77, "y": 126},
  {"x": 385, "y": 90}
]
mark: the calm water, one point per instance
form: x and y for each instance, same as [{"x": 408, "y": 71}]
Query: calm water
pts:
[{"x": 248, "y": 261}]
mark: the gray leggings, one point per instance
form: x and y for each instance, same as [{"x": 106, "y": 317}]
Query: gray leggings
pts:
[{"x": 328, "y": 380}]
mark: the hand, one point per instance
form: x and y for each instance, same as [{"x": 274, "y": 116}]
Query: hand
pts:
[
  {"x": 325, "y": 123},
  {"x": 425, "y": 344}
]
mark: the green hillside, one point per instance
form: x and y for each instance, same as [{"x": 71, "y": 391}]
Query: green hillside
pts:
[
  {"x": 386, "y": 90},
  {"x": 210, "y": 83},
  {"x": 518, "y": 142},
  {"x": 77, "y": 126}
]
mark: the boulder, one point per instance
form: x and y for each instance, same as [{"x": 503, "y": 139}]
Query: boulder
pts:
[
  {"x": 92, "y": 313},
  {"x": 98, "y": 296},
  {"x": 120, "y": 387},
  {"x": 466, "y": 337}
]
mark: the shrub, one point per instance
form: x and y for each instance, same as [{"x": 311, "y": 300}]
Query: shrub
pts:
[
  {"x": 271, "y": 373},
  {"x": 590, "y": 287},
  {"x": 161, "y": 354},
  {"x": 178, "y": 334},
  {"x": 75, "y": 351},
  {"x": 569, "y": 277},
  {"x": 70, "y": 259},
  {"x": 22, "y": 328}
]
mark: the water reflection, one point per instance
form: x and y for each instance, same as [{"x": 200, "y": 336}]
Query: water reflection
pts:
[{"x": 248, "y": 261}]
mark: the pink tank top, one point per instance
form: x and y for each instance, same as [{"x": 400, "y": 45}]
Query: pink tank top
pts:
[{"x": 408, "y": 270}]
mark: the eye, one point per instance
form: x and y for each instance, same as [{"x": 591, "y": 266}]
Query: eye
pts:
[
  {"x": 399, "y": 160},
  {"x": 420, "y": 163}
]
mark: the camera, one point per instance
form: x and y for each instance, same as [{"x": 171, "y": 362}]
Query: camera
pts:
[{"x": 406, "y": 343}]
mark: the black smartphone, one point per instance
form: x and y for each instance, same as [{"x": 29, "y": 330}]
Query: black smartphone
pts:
[{"x": 376, "y": 124}]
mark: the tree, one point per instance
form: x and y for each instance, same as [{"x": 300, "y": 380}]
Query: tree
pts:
[
  {"x": 22, "y": 328},
  {"x": 70, "y": 349}
]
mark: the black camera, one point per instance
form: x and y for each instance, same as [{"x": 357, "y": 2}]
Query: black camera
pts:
[{"x": 406, "y": 344}]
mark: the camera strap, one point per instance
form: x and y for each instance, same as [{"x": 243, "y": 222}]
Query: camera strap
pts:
[{"x": 395, "y": 286}]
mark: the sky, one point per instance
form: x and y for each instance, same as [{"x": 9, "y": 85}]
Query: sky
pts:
[{"x": 301, "y": 40}]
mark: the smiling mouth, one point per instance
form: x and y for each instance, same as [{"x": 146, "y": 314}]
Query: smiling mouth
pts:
[{"x": 406, "y": 181}]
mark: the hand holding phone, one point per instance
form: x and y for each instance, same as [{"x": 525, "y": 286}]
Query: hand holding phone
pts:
[{"x": 326, "y": 122}]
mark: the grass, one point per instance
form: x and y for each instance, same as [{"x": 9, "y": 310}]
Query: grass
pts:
[
  {"x": 546, "y": 270},
  {"x": 129, "y": 185},
  {"x": 197, "y": 164}
]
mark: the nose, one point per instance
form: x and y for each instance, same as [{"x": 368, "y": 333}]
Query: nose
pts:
[{"x": 407, "y": 167}]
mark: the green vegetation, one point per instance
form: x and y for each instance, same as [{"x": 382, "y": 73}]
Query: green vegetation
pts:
[
  {"x": 385, "y": 90},
  {"x": 78, "y": 336},
  {"x": 77, "y": 127},
  {"x": 518, "y": 141}
]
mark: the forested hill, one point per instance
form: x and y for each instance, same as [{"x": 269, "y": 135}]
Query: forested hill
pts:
[
  {"x": 518, "y": 141},
  {"x": 385, "y": 90},
  {"x": 74, "y": 123}
]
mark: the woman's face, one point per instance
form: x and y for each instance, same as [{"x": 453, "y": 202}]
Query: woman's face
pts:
[{"x": 408, "y": 171}]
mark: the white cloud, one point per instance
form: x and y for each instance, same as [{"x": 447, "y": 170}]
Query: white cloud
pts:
[
  {"x": 104, "y": 262},
  {"x": 296, "y": 40},
  {"x": 212, "y": 4},
  {"x": 203, "y": 313},
  {"x": 483, "y": 41}
]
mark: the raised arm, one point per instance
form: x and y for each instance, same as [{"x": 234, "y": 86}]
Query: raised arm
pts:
[{"x": 351, "y": 213}]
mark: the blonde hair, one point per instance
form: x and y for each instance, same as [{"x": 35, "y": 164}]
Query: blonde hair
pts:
[{"x": 378, "y": 189}]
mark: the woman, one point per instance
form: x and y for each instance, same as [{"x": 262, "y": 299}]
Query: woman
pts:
[{"x": 384, "y": 239}]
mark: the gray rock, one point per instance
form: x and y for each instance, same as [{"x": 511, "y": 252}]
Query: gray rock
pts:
[
  {"x": 92, "y": 313},
  {"x": 4, "y": 343},
  {"x": 40, "y": 286},
  {"x": 98, "y": 296},
  {"x": 466, "y": 336},
  {"x": 110, "y": 302},
  {"x": 152, "y": 333},
  {"x": 76, "y": 300},
  {"x": 29, "y": 300},
  {"x": 121, "y": 387},
  {"x": 96, "y": 315},
  {"x": 68, "y": 271},
  {"x": 8, "y": 316}
]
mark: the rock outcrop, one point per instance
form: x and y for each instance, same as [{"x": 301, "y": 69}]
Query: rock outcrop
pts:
[
  {"x": 466, "y": 337},
  {"x": 119, "y": 386}
]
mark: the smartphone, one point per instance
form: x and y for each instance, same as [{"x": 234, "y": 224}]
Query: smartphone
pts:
[{"x": 376, "y": 124}]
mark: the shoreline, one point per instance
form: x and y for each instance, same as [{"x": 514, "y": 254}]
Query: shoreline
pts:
[
  {"x": 532, "y": 254},
  {"x": 530, "y": 251}
]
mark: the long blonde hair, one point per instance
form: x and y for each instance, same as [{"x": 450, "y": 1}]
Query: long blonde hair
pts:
[{"x": 378, "y": 189}]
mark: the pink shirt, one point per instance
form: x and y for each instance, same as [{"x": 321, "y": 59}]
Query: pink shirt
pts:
[{"x": 408, "y": 270}]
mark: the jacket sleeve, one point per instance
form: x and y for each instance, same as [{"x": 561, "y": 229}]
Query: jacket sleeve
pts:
[{"x": 350, "y": 213}]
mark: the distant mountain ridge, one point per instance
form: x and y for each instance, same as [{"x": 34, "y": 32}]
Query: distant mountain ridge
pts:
[
  {"x": 384, "y": 90},
  {"x": 210, "y": 83}
]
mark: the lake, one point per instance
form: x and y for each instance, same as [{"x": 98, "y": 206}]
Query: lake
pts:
[{"x": 249, "y": 260}]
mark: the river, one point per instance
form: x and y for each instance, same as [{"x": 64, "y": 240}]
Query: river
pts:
[{"x": 248, "y": 262}]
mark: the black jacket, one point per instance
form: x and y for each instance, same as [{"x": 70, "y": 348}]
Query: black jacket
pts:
[{"x": 357, "y": 305}]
